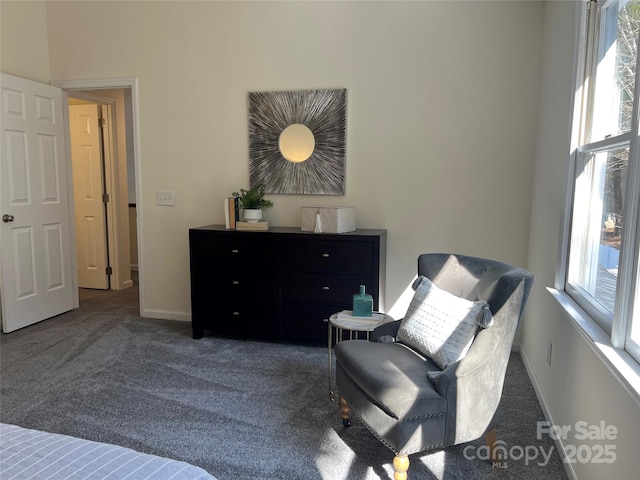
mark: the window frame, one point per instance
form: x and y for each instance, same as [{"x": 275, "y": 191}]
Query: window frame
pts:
[{"x": 618, "y": 326}]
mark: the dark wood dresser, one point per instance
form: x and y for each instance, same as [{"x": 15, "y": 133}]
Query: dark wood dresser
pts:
[{"x": 281, "y": 284}]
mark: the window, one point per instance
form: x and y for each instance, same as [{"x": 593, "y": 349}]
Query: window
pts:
[{"x": 601, "y": 268}]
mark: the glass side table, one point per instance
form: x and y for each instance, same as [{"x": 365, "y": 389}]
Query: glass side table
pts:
[{"x": 356, "y": 327}]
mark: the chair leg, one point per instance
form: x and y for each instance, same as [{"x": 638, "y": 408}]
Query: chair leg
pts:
[
  {"x": 400, "y": 467},
  {"x": 345, "y": 412},
  {"x": 490, "y": 439}
]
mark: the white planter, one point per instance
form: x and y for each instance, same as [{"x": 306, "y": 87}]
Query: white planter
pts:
[{"x": 252, "y": 215}]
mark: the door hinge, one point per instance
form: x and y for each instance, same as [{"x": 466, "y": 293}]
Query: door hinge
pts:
[
  {"x": 109, "y": 271},
  {"x": 102, "y": 122},
  {"x": 105, "y": 198}
]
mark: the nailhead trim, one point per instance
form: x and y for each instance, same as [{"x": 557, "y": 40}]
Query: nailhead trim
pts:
[{"x": 382, "y": 440}]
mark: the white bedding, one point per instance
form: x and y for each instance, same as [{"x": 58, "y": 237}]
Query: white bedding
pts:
[{"x": 32, "y": 454}]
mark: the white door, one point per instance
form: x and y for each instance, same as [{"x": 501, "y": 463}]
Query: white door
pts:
[
  {"x": 35, "y": 231},
  {"x": 88, "y": 187}
]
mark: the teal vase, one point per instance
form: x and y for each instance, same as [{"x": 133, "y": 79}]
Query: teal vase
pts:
[{"x": 362, "y": 304}]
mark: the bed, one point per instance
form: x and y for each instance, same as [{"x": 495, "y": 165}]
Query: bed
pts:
[{"x": 33, "y": 454}]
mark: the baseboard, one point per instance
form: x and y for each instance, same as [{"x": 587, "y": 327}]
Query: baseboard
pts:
[
  {"x": 164, "y": 315},
  {"x": 568, "y": 467}
]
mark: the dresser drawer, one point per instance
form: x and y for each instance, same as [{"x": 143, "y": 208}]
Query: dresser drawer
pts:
[
  {"x": 326, "y": 288},
  {"x": 242, "y": 285},
  {"x": 242, "y": 318},
  {"x": 330, "y": 256},
  {"x": 235, "y": 252},
  {"x": 247, "y": 286}
]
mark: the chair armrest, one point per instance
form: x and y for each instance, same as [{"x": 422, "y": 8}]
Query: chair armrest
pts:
[{"x": 390, "y": 328}]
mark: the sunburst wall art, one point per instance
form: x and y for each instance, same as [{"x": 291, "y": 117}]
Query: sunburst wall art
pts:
[{"x": 297, "y": 141}]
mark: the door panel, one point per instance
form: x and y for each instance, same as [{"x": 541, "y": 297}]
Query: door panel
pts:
[
  {"x": 24, "y": 256},
  {"x": 35, "y": 244},
  {"x": 53, "y": 254},
  {"x": 88, "y": 181}
]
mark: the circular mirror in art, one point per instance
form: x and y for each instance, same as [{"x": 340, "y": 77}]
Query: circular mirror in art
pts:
[{"x": 296, "y": 143}]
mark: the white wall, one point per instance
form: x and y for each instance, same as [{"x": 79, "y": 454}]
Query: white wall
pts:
[
  {"x": 577, "y": 387},
  {"x": 442, "y": 106},
  {"x": 23, "y": 40}
]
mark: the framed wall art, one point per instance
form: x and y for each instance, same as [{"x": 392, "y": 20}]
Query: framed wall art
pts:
[{"x": 297, "y": 141}]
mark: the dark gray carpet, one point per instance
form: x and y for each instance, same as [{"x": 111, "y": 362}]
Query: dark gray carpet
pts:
[{"x": 239, "y": 409}]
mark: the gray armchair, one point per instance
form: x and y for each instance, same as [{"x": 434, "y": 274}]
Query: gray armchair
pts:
[{"x": 387, "y": 385}]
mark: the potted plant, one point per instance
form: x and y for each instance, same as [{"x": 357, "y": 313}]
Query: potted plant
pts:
[{"x": 252, "y": 202}]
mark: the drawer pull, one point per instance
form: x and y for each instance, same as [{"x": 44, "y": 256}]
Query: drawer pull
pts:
[
  {"x": 235, "y": 282},
  {"x": 235, "y": 250},
  {"x": 236, "y": 314},
  {"x": 325, "y": 255},
  {"x": 326, "y": 288}
]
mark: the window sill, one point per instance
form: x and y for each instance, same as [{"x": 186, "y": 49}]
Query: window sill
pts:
[{"x": 621, "y": 365}]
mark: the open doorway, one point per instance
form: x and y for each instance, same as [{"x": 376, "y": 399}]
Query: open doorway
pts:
[{"x": 115, "y": 101}]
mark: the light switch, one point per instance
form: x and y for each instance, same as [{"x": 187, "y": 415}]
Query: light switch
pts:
[{"x": 165, "y": 198}]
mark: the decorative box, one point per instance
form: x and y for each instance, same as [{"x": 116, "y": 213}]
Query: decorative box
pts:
[{"x": 331, "y": 219}]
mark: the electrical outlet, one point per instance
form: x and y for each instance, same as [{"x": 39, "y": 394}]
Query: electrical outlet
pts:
[
  {"x": 165, "y": 198},
  {"x": 549, "y": 348}
]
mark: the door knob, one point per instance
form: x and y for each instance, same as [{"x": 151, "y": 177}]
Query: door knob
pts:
[{"x": 6, "y": 218}]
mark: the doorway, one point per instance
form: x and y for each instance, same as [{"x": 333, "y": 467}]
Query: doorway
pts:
[{"x": 121, "y": 177}]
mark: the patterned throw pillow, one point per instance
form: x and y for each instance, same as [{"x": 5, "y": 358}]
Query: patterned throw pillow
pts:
[{"x": 440, "y": 325}]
